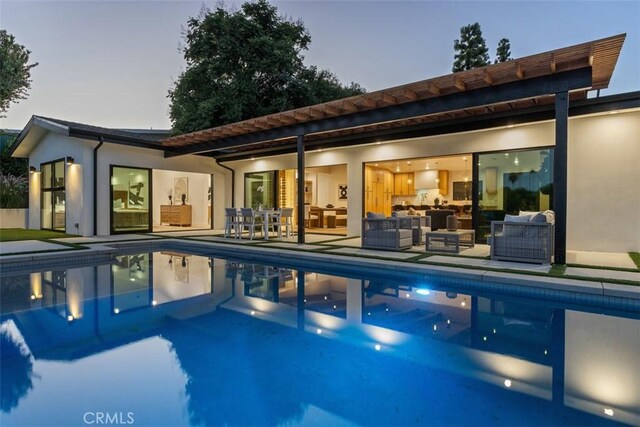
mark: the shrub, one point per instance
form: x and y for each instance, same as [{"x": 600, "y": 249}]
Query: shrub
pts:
[{"x": 14, "y": 191}]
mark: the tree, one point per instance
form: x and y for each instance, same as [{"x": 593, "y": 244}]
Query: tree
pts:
[
  {"x": 15, "y": 71},
  {"x": 471, "y": 49},
  {"x": 503, "y": 52},
  {"x": 11, "y": 165},
  {"x": 244, "y": 64}
]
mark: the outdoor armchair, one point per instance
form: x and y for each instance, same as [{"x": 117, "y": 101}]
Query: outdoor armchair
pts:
[{"x": 379, "y": 232}]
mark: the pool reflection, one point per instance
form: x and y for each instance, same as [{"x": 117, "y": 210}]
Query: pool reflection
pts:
[{"x": 231, "y": 321}]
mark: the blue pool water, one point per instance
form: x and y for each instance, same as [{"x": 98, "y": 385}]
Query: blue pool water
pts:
[{"x": 171, "y": 338}]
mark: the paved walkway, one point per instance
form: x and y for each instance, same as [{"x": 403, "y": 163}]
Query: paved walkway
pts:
[
  {"x": 473, "y": 257},
  {"x": 27, "y": 246}
]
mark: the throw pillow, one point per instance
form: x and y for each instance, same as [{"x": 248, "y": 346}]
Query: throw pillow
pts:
[
  {"x": 412, "y": 211},
  {"x": 399, "y": 213}
]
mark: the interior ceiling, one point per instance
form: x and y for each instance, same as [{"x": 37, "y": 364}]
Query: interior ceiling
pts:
[{"x": 419, "y": 164}]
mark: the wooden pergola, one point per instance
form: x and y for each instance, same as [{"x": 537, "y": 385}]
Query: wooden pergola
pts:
[{"x": 533, "y": 82}]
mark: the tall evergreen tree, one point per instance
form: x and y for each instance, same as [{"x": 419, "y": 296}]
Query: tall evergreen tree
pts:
[
  {"x": 244, "y": 64},
  {"x": 471, "y": 49},
  {"x": 503, "y": 52}
]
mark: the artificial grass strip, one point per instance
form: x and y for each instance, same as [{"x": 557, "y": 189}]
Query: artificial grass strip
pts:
[
  {"x": 18, "y": 234},
  {"x": 635, "y": 257}
]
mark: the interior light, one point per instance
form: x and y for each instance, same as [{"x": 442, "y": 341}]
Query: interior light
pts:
[
  {"x": 507, "y": 383},
  {"x": 397, "y": 168},
  {"x": 132, "y": 279},
  {"x": 253, "y": 158},
  {"x": 516, "y": 161},
  {"x": 378, "y": 143},
  {"x": 70, "y": 161},
  {"x": 378, "y": 347},
  {"x": 376, "y": 164},
  {"x": 32, "y": 169},
  {"x": 319, "y": 330},
  {"x": 427, "y": 166},
  {"x": 466, "y": 179},
  {"x": 506, "y": 154},
  {"x": 613, "y": 112},
  {"x": 608, "y": 411},
  {"x": 116, "y": 310},
  {"x": 510, "y": 126},
  {"x": 464, "y": 158}
]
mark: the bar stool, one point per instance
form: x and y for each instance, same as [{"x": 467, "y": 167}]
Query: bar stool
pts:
[{"x": 231, "y": 220}]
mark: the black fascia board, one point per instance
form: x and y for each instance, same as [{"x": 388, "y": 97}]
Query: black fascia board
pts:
[
  {"x": 113, "y": 139},
  {"x": 549, "y": 84},
  {"x": 529, "y": 115}
]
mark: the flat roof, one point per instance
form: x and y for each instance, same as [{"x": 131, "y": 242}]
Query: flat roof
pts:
[{"x": 509, "y": 86}]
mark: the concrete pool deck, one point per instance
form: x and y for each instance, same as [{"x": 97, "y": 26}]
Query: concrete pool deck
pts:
[{"x": 596, "y": 267}]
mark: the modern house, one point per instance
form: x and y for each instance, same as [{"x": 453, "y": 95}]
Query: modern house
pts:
[{"x": 518, "y": 135}]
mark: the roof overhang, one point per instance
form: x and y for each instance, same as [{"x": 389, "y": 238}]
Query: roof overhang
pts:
[
  {"x": 511, "y": 86},
  {"x": 33, "y": 133}
]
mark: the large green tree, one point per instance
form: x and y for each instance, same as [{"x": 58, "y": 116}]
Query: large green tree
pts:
[
  {"x": 243, "y": 64},
  {"x": 471, "y": 49},
  {"x": 15, "y": 71},
  {"x": 503, "y": 52}
]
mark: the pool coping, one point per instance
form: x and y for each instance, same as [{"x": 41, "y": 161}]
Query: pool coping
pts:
[{"x": 487, "y": 278}]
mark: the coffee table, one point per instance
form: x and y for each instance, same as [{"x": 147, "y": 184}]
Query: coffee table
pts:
[{"x": 449, "y": 241}]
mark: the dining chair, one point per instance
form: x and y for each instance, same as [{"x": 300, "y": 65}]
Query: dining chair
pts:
[
  {"x": 287, "y": 215},
  {"x": 231, "y": 221},
  {"x": 251, "y": 221},
  {"x": 275, "y": 222}
]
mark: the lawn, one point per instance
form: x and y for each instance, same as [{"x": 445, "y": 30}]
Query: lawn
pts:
[{"x": 13, "y": 234}]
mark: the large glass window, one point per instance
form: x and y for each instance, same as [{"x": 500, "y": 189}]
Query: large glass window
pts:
[
  {"x": 260, "y": 190},
  {"x": 130, "y": 199},
  {"x": 52, "y": 196},
  {"x": 513, "y": 181}
]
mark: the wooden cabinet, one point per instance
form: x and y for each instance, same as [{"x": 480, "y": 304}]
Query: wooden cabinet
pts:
[
  {"x": 175, "y": 215},
  {"x": 403, "y": 184},
  {"x": 378, "y": 189},
  {"x": 443, "y": 184}
]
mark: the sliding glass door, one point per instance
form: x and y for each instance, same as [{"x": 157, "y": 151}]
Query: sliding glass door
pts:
[
  {"x": 260, "y": 189},
  {"x": 130, "y": 199},
  {"x": 510, "y": 182}
]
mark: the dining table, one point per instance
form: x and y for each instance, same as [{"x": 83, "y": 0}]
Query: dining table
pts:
[
  {"x": 269, "y": 217},
  {"x": 321, "y": 213}
]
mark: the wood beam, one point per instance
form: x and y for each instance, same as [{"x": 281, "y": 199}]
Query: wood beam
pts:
[
  {"x": 316, "y": 114},
  {"x": 457, "y": 82},
  {"x": 369, "y": 102},
  {"x": 350, "y": 106},
  {"x": 389, "y": 99},
  {"x": 434, "y": 89},
  {"x": 333, "y": 109},
  {"x": 552, "y": 64},
  {"x": 272, "y": 121},
  {"x": 519, "y": 70},
  {"x": 488, "y": 78},
  {"x": 299, "y": 115},
  {"x": 411, "y": 94}
]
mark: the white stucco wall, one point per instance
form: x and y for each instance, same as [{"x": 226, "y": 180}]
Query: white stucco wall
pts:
[
  {"x": 604, "y": 152},
  {"x": 79, "y": 178},
  {"x": 603, "y": 206},
  {"x": 120, "y": 155}
]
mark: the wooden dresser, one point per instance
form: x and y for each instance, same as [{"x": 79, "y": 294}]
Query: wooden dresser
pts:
[{"x": 175, "y": 215}]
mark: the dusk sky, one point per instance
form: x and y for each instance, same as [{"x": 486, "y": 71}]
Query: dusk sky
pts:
[{"x": 111, "y": 63}]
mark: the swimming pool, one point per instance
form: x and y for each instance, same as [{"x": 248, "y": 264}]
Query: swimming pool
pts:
[{"x": 176, "y": 338}]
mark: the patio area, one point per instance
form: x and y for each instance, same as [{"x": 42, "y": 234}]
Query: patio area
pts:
[{"x": 597, "y": 266}]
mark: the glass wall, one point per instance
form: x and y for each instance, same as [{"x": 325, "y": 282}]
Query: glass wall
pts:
[
  {"x": 513, "y": 181},
  {"x": 52, "y": 196},
  {"x": 260, "y": 190},
  {"x": 130, "y": 198}
]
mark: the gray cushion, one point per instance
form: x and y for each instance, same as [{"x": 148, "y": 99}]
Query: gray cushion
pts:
[
  {"x": 539, "y": 217},
  {"x": 514, "y": 231},
  {"x": 374, "y": 215},
  {"x": 399, "y": 213}
]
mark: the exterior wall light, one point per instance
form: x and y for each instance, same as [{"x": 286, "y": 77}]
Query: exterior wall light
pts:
[{"x": 70, "y": 161}]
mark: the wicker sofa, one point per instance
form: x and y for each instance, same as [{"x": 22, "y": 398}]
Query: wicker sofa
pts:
[
  {"x": 379, "y": 232},
  {"x": 524, "y": 238}
]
